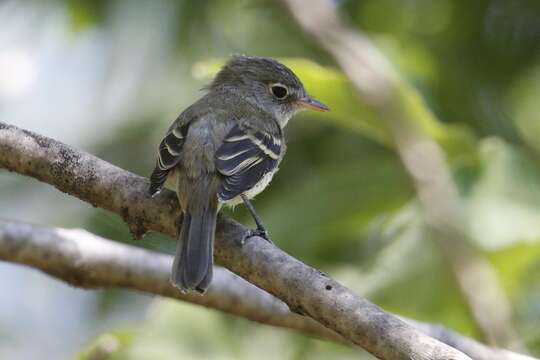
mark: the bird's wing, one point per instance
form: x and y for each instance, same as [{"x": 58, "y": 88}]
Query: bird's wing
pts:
[
  {"x": 243, "y": 159},
  {"x": 168, "y": 154}
]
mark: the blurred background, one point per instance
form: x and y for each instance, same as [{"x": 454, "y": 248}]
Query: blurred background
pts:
[{"x": 109, "y": 77}]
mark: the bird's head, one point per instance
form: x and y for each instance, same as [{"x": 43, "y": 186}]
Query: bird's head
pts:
[{"x": 268, "y": 84}]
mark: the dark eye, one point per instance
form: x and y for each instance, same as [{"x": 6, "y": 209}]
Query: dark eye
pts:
[{"x": 279, "y": 91}]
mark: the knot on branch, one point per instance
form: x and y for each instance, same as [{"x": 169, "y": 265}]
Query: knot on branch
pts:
[{"x": 136, "y": 224}]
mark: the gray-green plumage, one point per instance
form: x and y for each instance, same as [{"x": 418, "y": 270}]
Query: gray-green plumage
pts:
[{"x": 226, "y": 145}]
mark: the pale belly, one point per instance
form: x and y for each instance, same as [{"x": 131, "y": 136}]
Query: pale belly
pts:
[{"x": 250, "y": 194}]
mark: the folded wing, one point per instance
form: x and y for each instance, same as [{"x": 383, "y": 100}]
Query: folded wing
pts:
[
  {"x": 168, "y": 156},
  {"x": 244, "y": 158}
]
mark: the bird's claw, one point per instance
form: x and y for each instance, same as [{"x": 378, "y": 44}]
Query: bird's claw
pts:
[{"x": 256, "y": 232}]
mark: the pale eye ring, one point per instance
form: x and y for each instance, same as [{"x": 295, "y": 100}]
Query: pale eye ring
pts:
[{"x": 279, "y": 91}]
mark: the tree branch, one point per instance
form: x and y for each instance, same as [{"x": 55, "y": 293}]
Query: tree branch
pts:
[
  {"x": 89, "y": 261},
  {"x": 301, "y": 287},
  {"x": 381, "y": 88},
  {"x": 85, "y": 260}
]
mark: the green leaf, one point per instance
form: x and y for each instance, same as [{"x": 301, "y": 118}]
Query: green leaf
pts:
[
  {"x": 504, "y": 204},
  {"x": 514, "y": 264},
  {"x": 524, "y": 96},
  {"x": 410, "y": 276}
]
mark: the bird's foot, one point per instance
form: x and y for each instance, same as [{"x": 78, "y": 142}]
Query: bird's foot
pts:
[{"x": 260, "y": 232}]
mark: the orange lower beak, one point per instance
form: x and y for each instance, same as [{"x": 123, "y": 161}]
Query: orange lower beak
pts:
[{"x": 313, "y": 104}]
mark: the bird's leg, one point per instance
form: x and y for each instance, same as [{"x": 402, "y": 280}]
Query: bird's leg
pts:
[{"x": 260, "y": 230}]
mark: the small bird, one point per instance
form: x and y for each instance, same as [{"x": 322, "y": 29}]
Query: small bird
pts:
[{"x": 225, "y": 149}]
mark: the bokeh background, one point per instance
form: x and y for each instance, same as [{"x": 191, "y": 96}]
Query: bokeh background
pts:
[{"x": 109, "y": 77}]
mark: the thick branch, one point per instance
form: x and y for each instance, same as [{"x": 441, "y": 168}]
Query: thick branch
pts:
[
  {"x": 379, "y": 86},
  {"x": 85, "y": 260},
  {"x": 303, "y": 288},
  {"x": 89, "y": 261}
]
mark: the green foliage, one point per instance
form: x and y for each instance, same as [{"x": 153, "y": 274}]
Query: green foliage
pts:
[
  {"x": 355, "y": 209},
  {"x": 470, "y": 80},
  {"x": 210, "y": 336},
  {"x": 84, "y": 14},
  {"x": 505, "y": 200}
]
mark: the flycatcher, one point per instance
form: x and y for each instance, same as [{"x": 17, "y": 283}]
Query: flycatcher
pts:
[{"x": 225, "y": 149}]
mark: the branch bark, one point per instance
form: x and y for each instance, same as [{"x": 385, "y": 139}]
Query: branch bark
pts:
[
  {"x": 301, "y": 287},
  {"x": 381, "y": 88},
  {"x": 89, "y": 261},
  {"x": 85, "y": 260}
]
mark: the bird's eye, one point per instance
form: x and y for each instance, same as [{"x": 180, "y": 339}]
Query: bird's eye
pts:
[{"x": 279, "y": 91}]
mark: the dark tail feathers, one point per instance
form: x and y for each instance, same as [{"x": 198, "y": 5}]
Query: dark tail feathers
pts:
[{"x": 192, "y": 268}]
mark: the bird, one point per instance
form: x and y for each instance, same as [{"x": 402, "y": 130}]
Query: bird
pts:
[{"x": 224, "y": 149}]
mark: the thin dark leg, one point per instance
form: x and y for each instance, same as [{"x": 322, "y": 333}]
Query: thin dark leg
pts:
[
  {"x": 261, "y": 230},
  {"x": 253, "y": 213}
]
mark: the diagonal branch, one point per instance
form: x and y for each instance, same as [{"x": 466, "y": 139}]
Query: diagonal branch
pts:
[
  {"x": 85, "y": 260},
  {"x": 89, "y": 261},
  {"x": 301, "y": 287}
]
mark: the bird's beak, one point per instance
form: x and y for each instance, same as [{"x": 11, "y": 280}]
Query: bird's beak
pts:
[{"x": 310, "y": 103}]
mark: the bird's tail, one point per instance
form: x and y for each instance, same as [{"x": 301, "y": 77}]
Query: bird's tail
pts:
[{"x": 192, "y": 267}]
